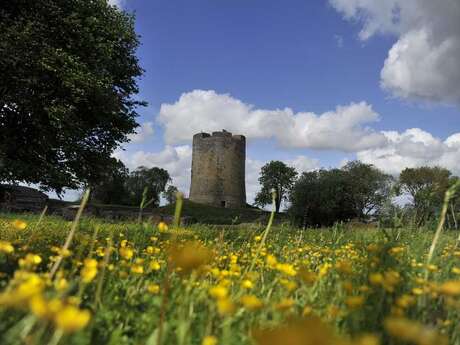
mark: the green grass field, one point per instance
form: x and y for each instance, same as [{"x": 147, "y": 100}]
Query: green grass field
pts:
[{"x": 129, "y": 283}]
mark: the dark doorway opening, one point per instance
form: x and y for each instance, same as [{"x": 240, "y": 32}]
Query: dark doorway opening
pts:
[{"x": 222, "y": 203}]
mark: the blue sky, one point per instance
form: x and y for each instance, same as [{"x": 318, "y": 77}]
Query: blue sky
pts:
[{"x": 206, "y": 60}]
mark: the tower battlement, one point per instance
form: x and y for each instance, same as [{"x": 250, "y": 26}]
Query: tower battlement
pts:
[{"x": 218, "y": 169}]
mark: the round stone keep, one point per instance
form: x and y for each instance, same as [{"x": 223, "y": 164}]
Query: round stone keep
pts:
[{"x": 218, "y": 169}]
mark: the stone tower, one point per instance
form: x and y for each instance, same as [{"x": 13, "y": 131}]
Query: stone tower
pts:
[{"x": 218, "y": 164}]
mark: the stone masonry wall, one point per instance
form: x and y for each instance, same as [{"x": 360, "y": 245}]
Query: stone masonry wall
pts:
[{"x": 218, "y": 169}]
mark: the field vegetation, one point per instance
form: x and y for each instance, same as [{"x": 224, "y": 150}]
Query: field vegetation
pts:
[{"x": 88, "y": 281}]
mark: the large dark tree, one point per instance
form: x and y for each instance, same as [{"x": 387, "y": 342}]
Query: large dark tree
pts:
[
  {"x": 68, "y": 79},
  {"x": 112, "y": 187},
  {"x": 276, "y": 176},
  {"x": 426, "y": 186},
  {"x": 154, "y": 179},
  {"x": 369, "y": 187},
  {"x": 322, "y": 197}
]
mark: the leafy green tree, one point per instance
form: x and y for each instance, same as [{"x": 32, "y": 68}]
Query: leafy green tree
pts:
[
  {"x": 112, "y": 188},
  {"x": 426, "y": 186},
  {"x": 170, "y": 194},
  {"x": 321, "y": 198},
  {"x": 369, "y": 187},
  {"x": 276, "y": 176},
  {"x": 154, "y": 179},
  {"x": 68, "y": 80}
]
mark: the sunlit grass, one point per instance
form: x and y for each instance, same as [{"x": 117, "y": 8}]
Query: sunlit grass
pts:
[{"x": 131, "y": 283}]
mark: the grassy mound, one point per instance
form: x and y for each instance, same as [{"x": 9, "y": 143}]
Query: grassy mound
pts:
[{"x": 206, "y": 214}]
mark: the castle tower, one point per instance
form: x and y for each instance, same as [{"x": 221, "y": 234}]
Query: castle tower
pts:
[{"x": 218, "y": 164}]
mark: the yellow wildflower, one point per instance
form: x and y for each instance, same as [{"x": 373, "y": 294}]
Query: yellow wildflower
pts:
[
  {"x": 450, "y": 288},
  {"x": 309, "y": 331},
  {"x": 285, "y": 304},
  {"x": 218, "y": 292},
  {"x": 376, "y": 278},
  {"x": 137, "y": 269},
  {"x": 71, "y": 319},
  {"x": 247, "y": 284},
  {"x": 455, "y": 270},
  {"x": 287, "y": 269},
  {"x": 162, "y": 226},
  {"x": 19, "y": 224},
  {"x": 225, "y": 306},
  {"x": 271, "y": 261},
  {"x": 344, "y": 267},
  {"x": 189, "y": 256},
  {"x": 153, "y": 288},
  {"x": 61, "y": 284},
  {"x": 30, "y": 260},
  {"x": 412, "y": 331},
  {"x": 209, "y": 340},
  {"x": 126, "y": 252},
  {"x": 6, "y": 247},
  {"x": 251, "y": 302},
  {"x": 154, "y": 265},
  {"x": 354, "y": 302},
  {"x": 89, "y": 270}
]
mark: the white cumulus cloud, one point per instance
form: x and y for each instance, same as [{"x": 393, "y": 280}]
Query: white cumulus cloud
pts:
[
  {"x": 344, "y": 128},
  {"x": 177, "y": 160},
  {"x": 414, "y": 148},
  {"x": 118, "y": 3},
  {"x": 424, "y": 62},
  {"x": 143, "y": 133}
]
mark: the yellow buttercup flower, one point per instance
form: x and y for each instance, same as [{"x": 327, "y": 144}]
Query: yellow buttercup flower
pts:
[
  {"x": 6, "y": 247},
  {"x": 285, "y": 304},
  {"x": 354, "y": 302},
  {"x": 153, "y": 288},
  {"x": 162, "y": 226},
  {"x": 137, "y": 269},
  {"x": 225, "y": 306},
  {"x": 247, "y": 284},
  {"x": 19, "y": 224},
  {"x": 251, "y": 302},
  {"x": 89, "y": 270},
  {"x": 154, "y": 265},
  {"x": 189, "y": 256},
  {"x": 126, "y": 252},
  {"x": 450, "y": 288},
  {"x": 30, "y": 260},
  {"x": 209, "y": 340},
  {"x": 71, "y": 319},
  {"x": 414, "y": 332},
  {"x": 218, "y": 292}
]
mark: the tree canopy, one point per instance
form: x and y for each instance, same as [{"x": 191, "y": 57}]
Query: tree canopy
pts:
[
  {"x": 277, "y": 176},
  {"x": 154, "y": 179},
  {"x": 323, "y": 197},
  {"x": 369, "y": 188},
  {"x": 69, "y": 77},
  {"x": 112, "y": 187},
  {"x": 426, "y": 186},
  {"x": 170, "y": 194}
]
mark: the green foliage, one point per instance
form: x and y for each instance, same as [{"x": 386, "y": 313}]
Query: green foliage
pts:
[
  {"x": 112, "y": 188},
  {"x": 324, "y": 197},
  {"x": 317, "y": 272},
  {"x": 69, "y": 76},
  {"x": 170, "y": 194},
  {"x": 426, "y": 186},
  {"x": 146, "y": 184},
  {"x": 277, "y": 176},
  {"x": 369, "y": 187}
]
